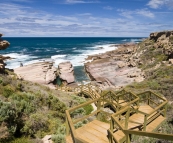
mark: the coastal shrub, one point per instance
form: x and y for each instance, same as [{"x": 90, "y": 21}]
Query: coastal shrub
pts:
[
  {"x": 29, "y": 110},
  {"x": 58, "y": 138},
  {"x": 36, "y": 122},
  {"x": 171, "y": 39},
  {"x": 88, "y": 109},
  {"x": 1, "y": 80},
  {"x": 7, "y": 91},
  {"x": 78, "y": 112},
  {"x": 21, "y": 140},
  {"x": 78, "y": 125}
]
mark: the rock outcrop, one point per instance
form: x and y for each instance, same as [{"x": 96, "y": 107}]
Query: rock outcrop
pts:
[
  {"x": 3, "y": 45},
  {"x": 66, "y": 72},
  {"x": 163, "y": 40},
  {"x": 116, "y": 68},
  {"x": 121, "y": 67},
  {"x": 42, "y": 73}
]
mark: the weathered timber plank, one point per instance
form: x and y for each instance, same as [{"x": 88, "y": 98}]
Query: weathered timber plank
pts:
[
  {"x": 119, "y": 135},
  {"x": 69, "y": 139},
  {"x": 155, "y": 124},
  {"x": 99, "y": 128},
  {"x": 85, "y": 135},
  {"x": 145, "y": 108},
  {"x": 95, "y": 132},
  {"x": 101, "y": 124}
]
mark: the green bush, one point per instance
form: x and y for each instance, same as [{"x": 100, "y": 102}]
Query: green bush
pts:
[
  {"x": 36, "y": 122},
  {"x": 7, "y": 91},
  {"x": 88, "y": 109},
  {"x": 21, "y": 140},
  {"x": 58, "y": 138}
]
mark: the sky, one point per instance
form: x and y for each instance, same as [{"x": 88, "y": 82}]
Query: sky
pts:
[{"x": 84, "y": 18}]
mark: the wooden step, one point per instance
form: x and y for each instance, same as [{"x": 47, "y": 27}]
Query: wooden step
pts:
[
  {"x": 94, "y": 132},
  {"x": 120, "y": 136},
  {"x": 154, "y": 125},
  {"x": 69, "y": 139}
]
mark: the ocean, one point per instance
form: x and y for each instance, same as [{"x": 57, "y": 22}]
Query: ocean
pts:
[{"x": 30, "y": 50}]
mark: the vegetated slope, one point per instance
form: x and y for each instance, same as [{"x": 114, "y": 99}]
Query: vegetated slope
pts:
[
  {"x": 28, "y": 109},
  {"x": 156, "y": 61}
]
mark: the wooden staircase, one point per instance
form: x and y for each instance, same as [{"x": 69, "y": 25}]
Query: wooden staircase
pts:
[{"x": 140, "y": 114}]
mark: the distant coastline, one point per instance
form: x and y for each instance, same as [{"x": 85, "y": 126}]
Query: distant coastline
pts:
[{"x": 28, "y": 50}]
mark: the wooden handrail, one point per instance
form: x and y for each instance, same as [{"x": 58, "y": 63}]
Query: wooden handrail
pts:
[
  {"x": 117, "y": 122},
  {"x": 112, "y": 135},
  {"x": 80, "y": 119},
  {"x": 82, "y": 105},
  {"x": 157, "y": 108},
  {"x": 121, "y": 111},
  {"x": 70, "y": 123},
  {"x": 152, "y": 93},
  {"x": 150, "y": 134}
]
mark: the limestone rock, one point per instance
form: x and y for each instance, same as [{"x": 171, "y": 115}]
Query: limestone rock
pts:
[
  {"x": 121, "y": 64},
  {"x": 3, "y": 45},
  {"x": 171, "y": 61},
  {"x": 66, "y": 72},
  {"x": 111, "y": 68},
  {"x": 47, "y": 139},
  {"x": 42, "y": 73}
]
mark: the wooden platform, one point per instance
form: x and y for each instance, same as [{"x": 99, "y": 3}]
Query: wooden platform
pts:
[
  {"x": 136, "y": 123},
  {"x": 93, "y": 132}
]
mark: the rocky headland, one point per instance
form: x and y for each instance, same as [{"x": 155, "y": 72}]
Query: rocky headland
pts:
[
  {"x": 3, "y": 45},
  {"x": 131, "y": 62}
]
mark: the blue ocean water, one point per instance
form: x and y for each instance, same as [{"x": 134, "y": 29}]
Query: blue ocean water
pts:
[{"x": 58, "y": 49}]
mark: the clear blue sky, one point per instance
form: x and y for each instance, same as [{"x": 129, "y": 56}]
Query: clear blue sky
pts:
[{"x": 102, "y": 18}]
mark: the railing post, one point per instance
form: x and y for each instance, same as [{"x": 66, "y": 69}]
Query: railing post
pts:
[
  {"x": 98, "y": 108},
  {"x": 145, "y": 122},
  {"x": 149, "y": 96},
  {"x": 127, "y": 118},
  {"x": 165, "y": 111},
  {"x": 67, "y": 128},
  {"x": 111, "y": 128},
  {"x": 127, "y": 138}
]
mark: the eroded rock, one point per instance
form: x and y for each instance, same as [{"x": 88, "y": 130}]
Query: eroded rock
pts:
[
  {"x": 42, "y": 73},
  {"x": 66, "y": 72}
]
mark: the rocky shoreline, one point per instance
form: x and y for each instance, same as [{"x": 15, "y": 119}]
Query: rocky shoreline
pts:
[
  {"x": 112, "y": 69},
  {"x": 115, "y": 69}
]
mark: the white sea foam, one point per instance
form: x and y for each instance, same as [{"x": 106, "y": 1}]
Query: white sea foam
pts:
[
  {"x": 124, "y": 40},
  {"x": 58, "y": 56},
  {"x": 79, "y": 60},
  {"x": 135, "y": 40},
  {"x": 17, "y": 59},
  {"x": 76, "y": 60}
]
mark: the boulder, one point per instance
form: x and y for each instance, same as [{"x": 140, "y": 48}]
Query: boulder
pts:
[
  {"x": 4, "y": 44},
  {"x": 171, "y": 61},
  {"x": 42, "y": 73},
  {"x": 47, "y": 139},
  {"x": 66, "y": 72}
]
